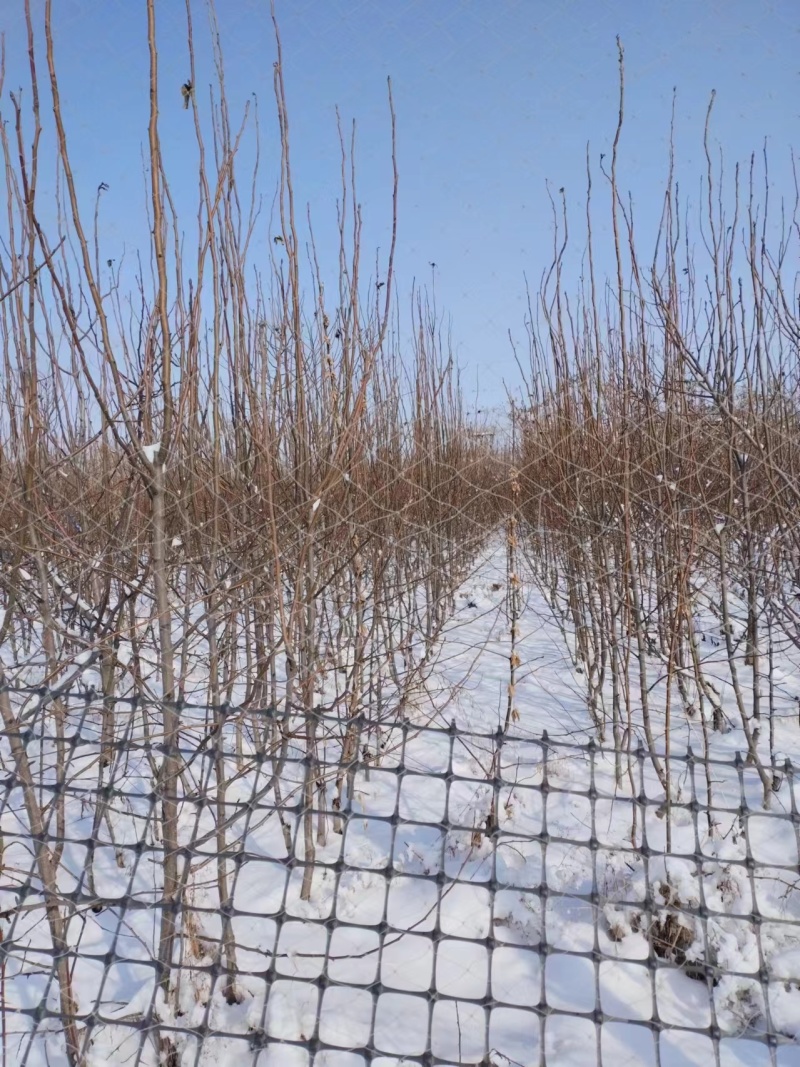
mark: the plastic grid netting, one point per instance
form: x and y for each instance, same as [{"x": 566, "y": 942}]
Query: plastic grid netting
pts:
[{"x": 485, "y": 898}]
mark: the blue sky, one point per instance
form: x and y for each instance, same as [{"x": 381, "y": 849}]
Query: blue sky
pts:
[{"x": 494, "y": 99}]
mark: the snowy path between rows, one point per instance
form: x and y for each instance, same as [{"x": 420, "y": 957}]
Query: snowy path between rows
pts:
[{"x": 495, "y": 898}]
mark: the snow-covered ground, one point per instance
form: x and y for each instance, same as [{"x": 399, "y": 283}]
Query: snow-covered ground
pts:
[{"x": 495, "y": 897}]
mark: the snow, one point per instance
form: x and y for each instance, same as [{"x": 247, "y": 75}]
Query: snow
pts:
[
  {"x": 494, "y": 897},
  {"x": 151, "y": 451}
]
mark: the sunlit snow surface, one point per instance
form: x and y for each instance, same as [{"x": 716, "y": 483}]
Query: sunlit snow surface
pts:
[{"x": 427, "y": 939}]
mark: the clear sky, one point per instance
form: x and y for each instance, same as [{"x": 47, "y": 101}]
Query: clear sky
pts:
[{"x": 494, "y": 99}]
